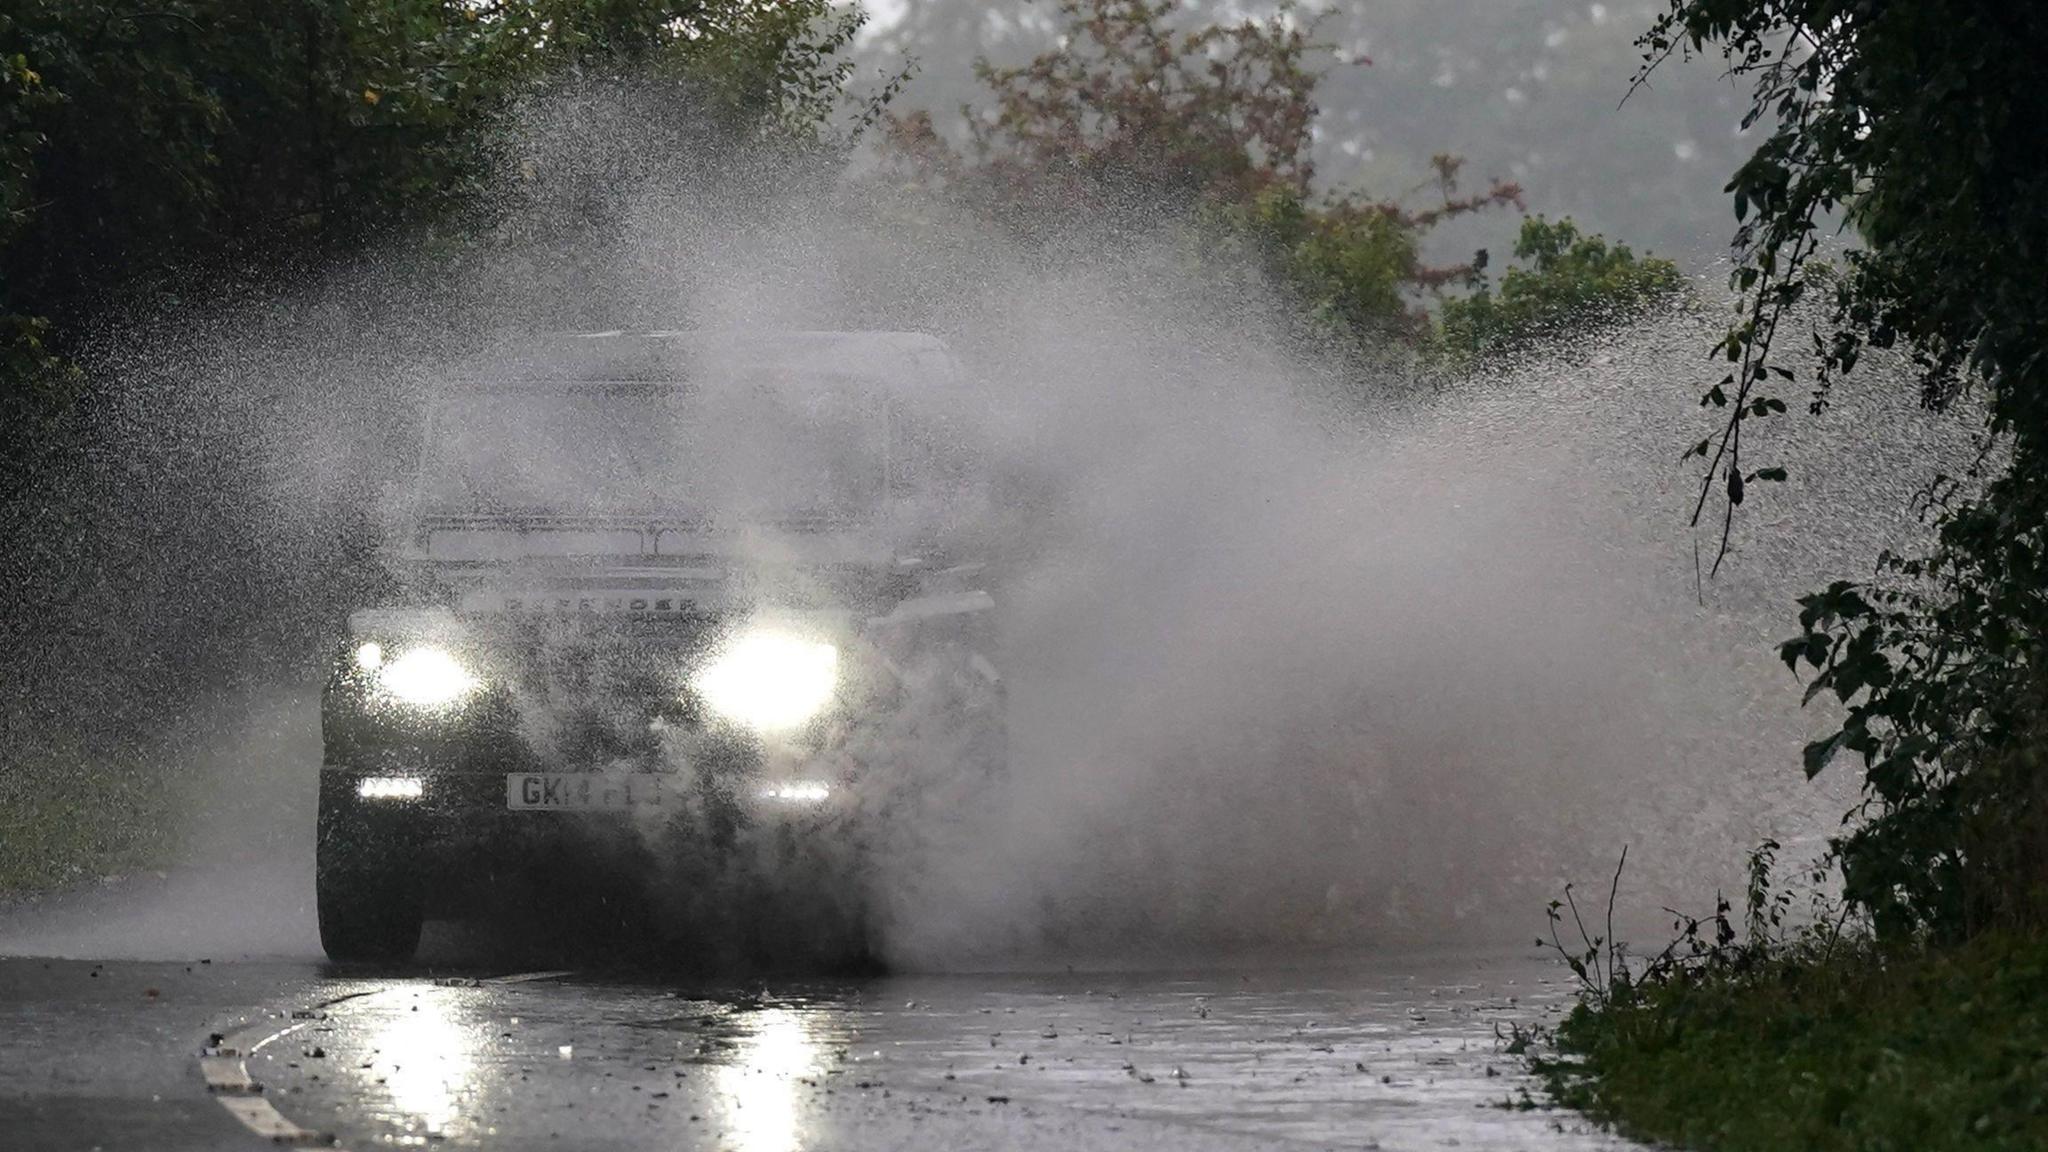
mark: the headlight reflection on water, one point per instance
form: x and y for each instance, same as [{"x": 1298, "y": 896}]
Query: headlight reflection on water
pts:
[
  {"x": 758, "y": 1087},
  {"x": 427, "y": 1057}
]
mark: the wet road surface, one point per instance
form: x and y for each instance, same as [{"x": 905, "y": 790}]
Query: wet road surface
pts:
[{"x": 1393, "y": 1053}]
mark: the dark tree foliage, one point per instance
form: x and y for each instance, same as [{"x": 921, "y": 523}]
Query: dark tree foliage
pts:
[
  {"x": 1925, "y": 124},
  {"x": 149, "y": 148},
  {"x": 168, "y": 164}
]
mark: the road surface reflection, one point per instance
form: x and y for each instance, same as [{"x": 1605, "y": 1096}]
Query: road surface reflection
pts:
[
  {"x": 758, "y": 1087},
  {"x": 426, "y": 1062}
]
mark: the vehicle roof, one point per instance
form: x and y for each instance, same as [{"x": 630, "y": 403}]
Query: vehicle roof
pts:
[{"x": 655, "y": 355}]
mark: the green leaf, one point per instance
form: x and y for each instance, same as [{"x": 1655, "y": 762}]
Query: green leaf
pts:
[
  {"x": 1789, "y": 651},
  {"x": 1817, "y": 648},
  {"x": 1820, "y": 752}
]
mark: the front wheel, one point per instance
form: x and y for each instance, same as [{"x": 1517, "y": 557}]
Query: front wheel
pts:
[
  {"x": 362, "y": 919},
  {"x": 369, "y": 905}
]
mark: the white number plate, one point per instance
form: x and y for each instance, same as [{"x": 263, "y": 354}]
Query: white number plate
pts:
[{"x": 581, "y": 791}]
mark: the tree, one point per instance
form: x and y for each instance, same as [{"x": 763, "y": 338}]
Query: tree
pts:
[
  {"x": 1131, "y": 124},
  {"x": 1512, "y": 84},
  {"x": 1573, "y": 283},
  {"x": 1924, "y": 124},
  {"x": 152, "y": 148},
  {"x": 169, "y": 166}
]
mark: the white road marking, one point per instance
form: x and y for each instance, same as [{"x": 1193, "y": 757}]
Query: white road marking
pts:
[
  {"x": 261, "y": 1117},
  {"x": 227, "y": 1073},
  {"x": 225, "y": 1067},
  {"x": 529, "y": 977}
]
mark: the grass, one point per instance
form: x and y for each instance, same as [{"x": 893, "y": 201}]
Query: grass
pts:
[
  {"x": 1922, "y": 1051},
  {"x": 63, "y": 825}
]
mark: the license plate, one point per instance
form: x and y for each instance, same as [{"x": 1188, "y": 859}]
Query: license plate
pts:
[{"x": 581, "y": 791}]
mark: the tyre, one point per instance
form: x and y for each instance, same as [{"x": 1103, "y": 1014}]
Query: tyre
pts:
[
  {"x": 369, "y": 905},
  {"x": 366, "y": 916}
]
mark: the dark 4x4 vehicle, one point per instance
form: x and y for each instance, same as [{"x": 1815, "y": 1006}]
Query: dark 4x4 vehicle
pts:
[{"x": 675, "y": 605}]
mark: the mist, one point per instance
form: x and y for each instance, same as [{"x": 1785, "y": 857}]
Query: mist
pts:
[{"x": 1301, "y": 654}]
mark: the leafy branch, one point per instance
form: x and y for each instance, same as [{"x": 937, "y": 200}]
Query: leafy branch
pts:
[{"x": 1923, "y": 125}]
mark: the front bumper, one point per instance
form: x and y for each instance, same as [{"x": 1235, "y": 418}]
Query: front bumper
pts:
[{"x": 459, "y": 835}]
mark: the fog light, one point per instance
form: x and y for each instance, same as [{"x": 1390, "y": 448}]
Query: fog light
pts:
[
  {"x": 390, "y": 788},
  {"x": 796, "y": 792}
]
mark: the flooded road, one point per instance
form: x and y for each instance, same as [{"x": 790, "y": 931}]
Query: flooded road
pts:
[{"x": 1400, "y": 1052}]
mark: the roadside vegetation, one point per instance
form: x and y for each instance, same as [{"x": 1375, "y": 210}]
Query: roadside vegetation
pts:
[
  {"x": 159, "y": 157},
  {"x": 1806, "y": 1047},
  {"x": 149, "y": 151},
  {"x": 62, "y": 828},
  {"x": 1914, "y": 1019}
]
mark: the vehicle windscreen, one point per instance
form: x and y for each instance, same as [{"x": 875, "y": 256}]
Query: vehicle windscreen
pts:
[{"x": 730, "y": 450}]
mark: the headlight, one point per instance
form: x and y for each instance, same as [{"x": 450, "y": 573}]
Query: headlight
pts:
[
  {"x": 425, "y": 677},
  {"x": 769, "y": 680}
]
